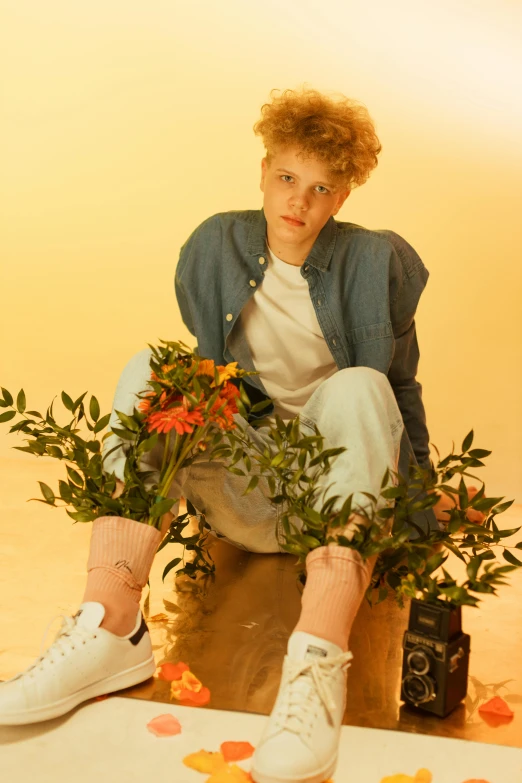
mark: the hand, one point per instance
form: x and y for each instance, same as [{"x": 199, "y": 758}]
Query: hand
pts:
[
  {"x": 166, "y": 519},
  {"x": 119, "y": 489},
  {"x": 447, "y": 503}
]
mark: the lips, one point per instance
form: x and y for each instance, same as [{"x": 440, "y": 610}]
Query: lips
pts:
[{"x": 293, "y": 220}]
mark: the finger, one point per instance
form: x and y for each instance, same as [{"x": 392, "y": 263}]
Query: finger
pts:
[
  {"x": 477, "y": 517},
  {"x": 120, "y": 486}
]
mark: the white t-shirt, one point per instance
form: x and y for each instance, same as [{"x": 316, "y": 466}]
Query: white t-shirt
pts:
[{"x": 285, "y": 339}]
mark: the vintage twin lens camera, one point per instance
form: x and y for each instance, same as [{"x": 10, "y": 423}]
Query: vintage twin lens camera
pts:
[{"x": 435, "y": 659}]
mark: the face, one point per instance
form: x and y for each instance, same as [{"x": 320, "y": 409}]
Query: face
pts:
[{"x": 293, "y": 186}]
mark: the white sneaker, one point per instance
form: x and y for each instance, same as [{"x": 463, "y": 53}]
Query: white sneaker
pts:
[
  {"x": 301, "y": 739},
  {"x": 84, "y": 661}
]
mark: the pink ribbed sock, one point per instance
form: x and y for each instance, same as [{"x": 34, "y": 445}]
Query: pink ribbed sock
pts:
[
  {"x": 119, "y": 563},
  {"x": 337, "y": 579}
]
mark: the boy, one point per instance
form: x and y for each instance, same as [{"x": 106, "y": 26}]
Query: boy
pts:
[{"x": 324, "y": 311}]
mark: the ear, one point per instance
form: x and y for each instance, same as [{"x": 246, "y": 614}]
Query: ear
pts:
[
  {"x": 263, "y": 173},
  {"x": 340, "y": 201}
]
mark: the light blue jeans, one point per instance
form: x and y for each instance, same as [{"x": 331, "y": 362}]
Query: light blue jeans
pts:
[{"x": 370, "y": 428}]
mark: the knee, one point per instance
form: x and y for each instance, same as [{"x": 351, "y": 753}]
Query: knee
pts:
[
  {"x": 361, "y": 379},
  {"x": 139, "y": 360},
  {"x": 137, "y": 369},
  {"x": 134, "y": 378}
]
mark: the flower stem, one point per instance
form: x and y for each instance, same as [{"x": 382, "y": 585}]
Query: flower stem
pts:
[
  {"x": 176, "y": 462},
  {"x": 165, "y": 453}
]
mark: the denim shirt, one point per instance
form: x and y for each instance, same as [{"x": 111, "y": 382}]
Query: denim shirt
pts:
[{"x": 364, "y": 284}]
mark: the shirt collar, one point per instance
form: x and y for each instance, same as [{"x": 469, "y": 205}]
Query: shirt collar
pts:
[{"x": 319, "y": 256}]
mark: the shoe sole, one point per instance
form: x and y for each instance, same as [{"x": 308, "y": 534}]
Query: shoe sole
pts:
[
  {"x": 117, "y": 682},
  {"x": 314, "y": 777}
]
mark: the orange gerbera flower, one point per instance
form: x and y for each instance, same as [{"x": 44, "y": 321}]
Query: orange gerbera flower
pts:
[
  {"x": 225, "y": 419},
  {"x": 177, "y": 417},
  {"x": 145, "y": 404},
  {"x": 230, "y": 392},
  {"x": 206, "y": 367}
]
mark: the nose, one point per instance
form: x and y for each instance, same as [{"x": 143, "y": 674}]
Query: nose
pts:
[{"x": 300, "y": 201}]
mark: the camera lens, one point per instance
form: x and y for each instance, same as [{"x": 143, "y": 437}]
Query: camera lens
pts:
[
  {"x": 418, "y": 689},
  {"x": 419, "y": 661}
]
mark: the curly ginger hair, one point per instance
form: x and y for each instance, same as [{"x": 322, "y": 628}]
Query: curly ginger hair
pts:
[{"x": 340, "y": 134}]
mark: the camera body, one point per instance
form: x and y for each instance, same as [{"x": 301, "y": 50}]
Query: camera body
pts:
[{"x": 436, "y": 658}]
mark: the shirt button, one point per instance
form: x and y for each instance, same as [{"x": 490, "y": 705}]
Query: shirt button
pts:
[
  {"x": 306, "y": 268},
  {"x": 319, "y": 301},
  {"x": 334, "y": 342},
  {"x": 262, "y": 260},
  {"x": 253, "y": 283},
  {"x": 229, "y": 317}
]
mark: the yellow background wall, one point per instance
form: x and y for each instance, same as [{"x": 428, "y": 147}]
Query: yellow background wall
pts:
[{"x": 125, "y": 124}]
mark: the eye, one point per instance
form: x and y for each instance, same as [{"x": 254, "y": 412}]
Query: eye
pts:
[{"x": 324, "y": 191}]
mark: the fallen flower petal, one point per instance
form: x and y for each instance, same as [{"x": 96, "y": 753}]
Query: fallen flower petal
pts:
[
  {"x": 172, "y": 671},
  {"x": 192, "y": 699},
  {"x": 236, "y": 751},
  {"x": 475, "y": 780},
  {"x": 496, "y": 706},
  {"x": 421, "y": 776},
  {"x": 230, "y": 773},
  {"x": 204, "y": 761},
  {"x": 175, "y": 689},
  {"x": 190, "y": 681},
  {"x": 495, "y": 721},
  {"x": 157, "y": 618},
  {"x": 164, "y": 725}
]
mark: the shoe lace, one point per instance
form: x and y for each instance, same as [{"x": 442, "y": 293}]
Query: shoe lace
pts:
[
  {"x": 68, "y": 633},
  {"x": 311, "y": 679}
]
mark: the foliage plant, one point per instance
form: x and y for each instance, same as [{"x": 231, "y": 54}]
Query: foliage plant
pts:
[
  {"x": 296, "y": 468},
  {"x": 190, "y": 405}
]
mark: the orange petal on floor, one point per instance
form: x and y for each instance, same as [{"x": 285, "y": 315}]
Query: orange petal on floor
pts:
[
  {"x": 157, "y": 618},
  {"x": 496, "y": 706},
  {"x": 175, "y": 689},
  {"x": 204, "y": 761},
  {"x": 230, "y": 773},
  {"x": 192, "y": 699},
  {"x": 102, "y": 697},
  {"x": 172, "y": 671},
  {"x": 475, "y": 780},
  {"x": 236, "y": 751},
  {"x": 422, "y": 776},
  {"x": 191, "y": 682},
  {"x": 164, "y": 726}
]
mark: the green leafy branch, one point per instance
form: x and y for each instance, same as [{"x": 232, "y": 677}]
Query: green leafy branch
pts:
[{"x": 294, "y": 467}]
